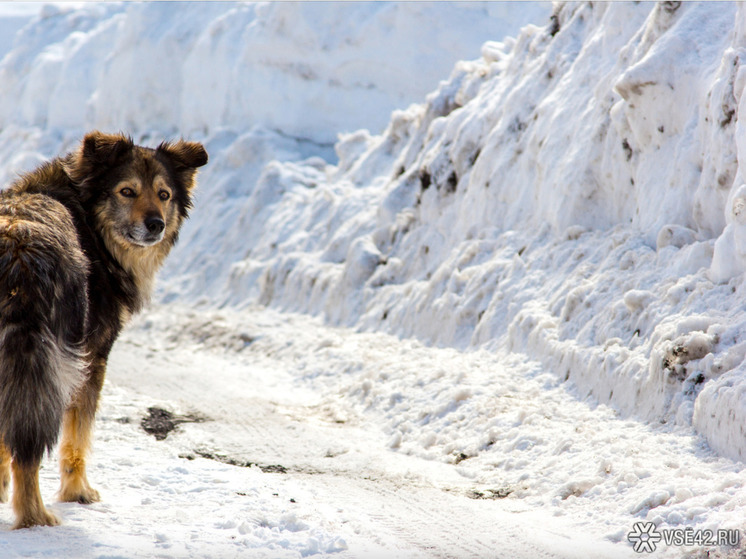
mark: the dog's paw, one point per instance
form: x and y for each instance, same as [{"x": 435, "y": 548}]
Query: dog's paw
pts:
[
  {"x": 88, "y": 496},
  {"x": 40, "y": 517},
  {"x": 83, "y": 494}
]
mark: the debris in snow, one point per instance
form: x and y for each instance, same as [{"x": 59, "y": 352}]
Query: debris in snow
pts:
[{"x": 160, "y": 422}]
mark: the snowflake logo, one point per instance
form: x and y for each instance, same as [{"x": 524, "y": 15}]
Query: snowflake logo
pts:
[{"x": 644, "y": 537}]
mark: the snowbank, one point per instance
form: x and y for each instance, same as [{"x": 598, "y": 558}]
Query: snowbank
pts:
[
  {"x": 308, "y": 70},
  {"x": 560, "y": 197}
]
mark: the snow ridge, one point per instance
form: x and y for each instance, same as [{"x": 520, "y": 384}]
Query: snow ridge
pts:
[
  {"x": 561, "y": 196},
  {"x": 194, "y": 67}
]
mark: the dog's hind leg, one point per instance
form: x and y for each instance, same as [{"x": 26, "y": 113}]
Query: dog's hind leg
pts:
[
  {"x": 77, "y": 430},
  {"x": 27, "y": 503},
  {"x": 35, "y": 376},
  {"x": 43, "y": 310},
  {"x": 5, "y": 459}
]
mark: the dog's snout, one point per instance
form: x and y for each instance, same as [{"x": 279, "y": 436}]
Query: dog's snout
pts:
[{"x": 155, "y": 225}]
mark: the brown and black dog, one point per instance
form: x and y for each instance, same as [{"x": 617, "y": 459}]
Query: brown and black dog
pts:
[{"x": 81, "y": 238}]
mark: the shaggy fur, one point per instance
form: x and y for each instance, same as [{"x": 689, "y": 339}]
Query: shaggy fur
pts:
[{"x": 81, "y": 238}]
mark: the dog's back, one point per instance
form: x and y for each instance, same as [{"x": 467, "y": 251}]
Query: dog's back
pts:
[{"x": 42, "y": 321}]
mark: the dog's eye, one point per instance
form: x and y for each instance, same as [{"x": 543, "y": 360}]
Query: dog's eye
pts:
[
  {"x": 163, "y": 195},
  {"x": 127, "y": 193}
]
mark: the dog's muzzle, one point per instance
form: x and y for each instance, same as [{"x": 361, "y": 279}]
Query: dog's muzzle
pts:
[{"x": 149, "y": 232}]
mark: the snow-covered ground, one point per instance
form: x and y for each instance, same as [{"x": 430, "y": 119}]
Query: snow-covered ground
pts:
[
  {"x": 504, "y": 319},
  {"x": 302, "y": 439}
]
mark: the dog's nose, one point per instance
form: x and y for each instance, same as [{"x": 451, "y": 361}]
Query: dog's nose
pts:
[{"x": 154, "y": 225}]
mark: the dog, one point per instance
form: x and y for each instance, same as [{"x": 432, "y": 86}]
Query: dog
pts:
[{"x": 81, "y": 238}]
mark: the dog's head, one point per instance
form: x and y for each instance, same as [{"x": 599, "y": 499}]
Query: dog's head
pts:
[{"x": 138, "y": 196}]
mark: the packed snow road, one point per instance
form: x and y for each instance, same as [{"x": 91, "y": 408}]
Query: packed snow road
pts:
[{"x": 278, "y": 437}]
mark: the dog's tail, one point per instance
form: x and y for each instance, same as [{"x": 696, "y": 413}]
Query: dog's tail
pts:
[{"x": 42, "y": 320}]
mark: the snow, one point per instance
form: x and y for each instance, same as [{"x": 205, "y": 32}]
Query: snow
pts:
[
  {"x": 298, "y": 69},
  {"x": 497, "y": 311}
]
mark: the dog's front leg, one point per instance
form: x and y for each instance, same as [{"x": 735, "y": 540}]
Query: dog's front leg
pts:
[{"x": 77, "y": 431}]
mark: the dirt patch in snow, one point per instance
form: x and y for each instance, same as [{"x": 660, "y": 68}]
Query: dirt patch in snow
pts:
[
  {"x": 223, "y": 459},
  {"x": 160, "y": 422}
]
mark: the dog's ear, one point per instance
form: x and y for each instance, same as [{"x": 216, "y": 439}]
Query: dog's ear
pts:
[
  {"x": 183, "y": 154},
  {"x": 97, "y": 153},
  {"x": 184, "y": 157},
  {"x": 105, "y": 149}
]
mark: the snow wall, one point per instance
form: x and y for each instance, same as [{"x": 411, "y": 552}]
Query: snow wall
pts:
[
  {"x": 183, "y": 68},
  {"x": 574, "y": 194}
]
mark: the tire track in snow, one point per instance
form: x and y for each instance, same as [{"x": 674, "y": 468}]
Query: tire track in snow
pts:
[{"x": 260, "y": 414}]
